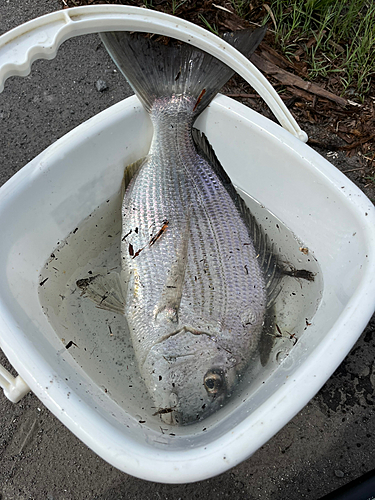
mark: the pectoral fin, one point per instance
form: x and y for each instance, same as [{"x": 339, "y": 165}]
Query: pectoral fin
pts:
[
  {"x": 167, "y": 307},
  {"x": 104, "y": 290}
]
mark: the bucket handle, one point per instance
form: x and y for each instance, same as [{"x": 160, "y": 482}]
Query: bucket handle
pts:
[
  {"x": 41, "y": 38},
  {"x": 15, "y": 388}
]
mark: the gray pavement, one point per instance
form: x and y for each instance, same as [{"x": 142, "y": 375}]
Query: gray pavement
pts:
[{"x": 329, "y": 443}]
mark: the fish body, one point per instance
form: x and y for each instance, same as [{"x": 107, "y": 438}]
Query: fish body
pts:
[
  {"x": 195, "y": 290},
  {"x": 196, "y": 297}
]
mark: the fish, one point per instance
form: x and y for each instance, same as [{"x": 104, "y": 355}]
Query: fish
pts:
[{"x": 198, "y": 274}]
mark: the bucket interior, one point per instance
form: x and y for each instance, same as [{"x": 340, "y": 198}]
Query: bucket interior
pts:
[{"x": 49, "y": 199}]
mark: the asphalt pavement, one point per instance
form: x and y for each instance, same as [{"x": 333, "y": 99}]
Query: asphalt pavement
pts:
[{"x": 327, "y": 445}]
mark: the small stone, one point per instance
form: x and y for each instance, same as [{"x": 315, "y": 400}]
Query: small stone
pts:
[
  {"x": 101, "y": 85},
  {"x": 339, "y": 473},
  {"x": 354, "y": 161}
]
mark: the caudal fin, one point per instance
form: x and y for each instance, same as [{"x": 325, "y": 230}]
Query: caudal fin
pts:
[{"x": 156, "y": 70}]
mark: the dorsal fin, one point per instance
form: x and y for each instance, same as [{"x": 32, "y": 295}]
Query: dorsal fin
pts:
[{"x": 268, "y": 259}]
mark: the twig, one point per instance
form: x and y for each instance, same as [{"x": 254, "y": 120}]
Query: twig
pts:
[
  {"x": 244, "y": 96},
  {"x": 222, "y": 8},
  {"x": 315, "y": 142},
  {"x": 287, "y": 78},
  {"x": 352, "y": 170},
  {"x": 358, "y": 143}
]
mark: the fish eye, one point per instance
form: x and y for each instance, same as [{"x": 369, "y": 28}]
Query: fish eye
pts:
[{"x": 214, "y": 381}]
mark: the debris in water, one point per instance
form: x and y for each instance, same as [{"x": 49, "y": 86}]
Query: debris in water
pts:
[{"x": 70, "y": 343}]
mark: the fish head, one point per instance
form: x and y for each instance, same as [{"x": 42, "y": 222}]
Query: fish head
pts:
[{"x": 189, "y": 376}]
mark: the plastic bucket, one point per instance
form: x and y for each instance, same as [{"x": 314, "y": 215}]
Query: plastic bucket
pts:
[{"x": 82, "y": 170}]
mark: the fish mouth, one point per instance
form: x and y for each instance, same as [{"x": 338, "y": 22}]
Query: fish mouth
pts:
[{"x": 176, "y": 375}]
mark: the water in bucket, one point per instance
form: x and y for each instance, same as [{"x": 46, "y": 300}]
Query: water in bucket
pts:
[{"x": 99, "y": 341}]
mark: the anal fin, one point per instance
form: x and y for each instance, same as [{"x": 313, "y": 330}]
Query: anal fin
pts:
[{"x": 267, "y": 338}]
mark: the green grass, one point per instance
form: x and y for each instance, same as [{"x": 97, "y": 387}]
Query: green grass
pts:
[
  {"x": 176, "y": 4},
  {"x": 241, "y": 7},
  {"x": 212, "y": 28},
  {"x": 344, "y": 35}
]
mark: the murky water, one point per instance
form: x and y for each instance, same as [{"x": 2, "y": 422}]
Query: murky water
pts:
[{"x": 99, "y": 340}]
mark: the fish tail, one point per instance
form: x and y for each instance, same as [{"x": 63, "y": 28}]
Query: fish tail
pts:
[{"x": 159, "y": 70}]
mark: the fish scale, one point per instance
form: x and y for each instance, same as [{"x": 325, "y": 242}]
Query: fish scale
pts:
[
  {"x": 194, "y": 291},
  {"x": 177, "y": 185}
]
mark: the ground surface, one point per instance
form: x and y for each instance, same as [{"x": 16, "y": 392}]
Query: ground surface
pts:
[{"x": 329, "y": 443}]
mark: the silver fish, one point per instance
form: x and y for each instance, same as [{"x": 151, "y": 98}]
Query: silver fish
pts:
[{"x": 197, "y": 272}]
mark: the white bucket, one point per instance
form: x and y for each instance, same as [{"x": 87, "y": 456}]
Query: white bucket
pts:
[{"x": 51, "y": 195}]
